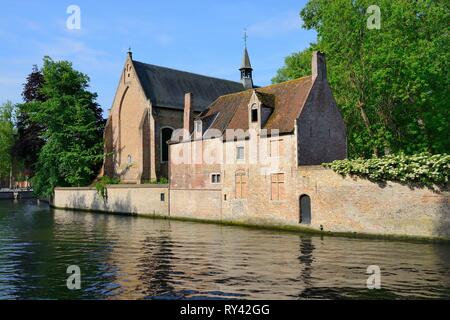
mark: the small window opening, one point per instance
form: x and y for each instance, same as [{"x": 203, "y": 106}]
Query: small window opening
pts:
[
  {"x": 240, "y": 153},
  {"x": 254, "y": 115},
  {"x": 215, "y": 178},
  {"x": 198, "y": 126},
  {"x": 163, "y": 197}
]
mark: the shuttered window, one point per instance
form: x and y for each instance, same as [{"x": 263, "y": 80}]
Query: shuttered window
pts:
[
  {"x": 241, "y": 185},
  {"x": 277, "y": 148},
  {"x": 277, "y": 186}
]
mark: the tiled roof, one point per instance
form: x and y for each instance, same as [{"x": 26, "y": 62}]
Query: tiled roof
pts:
[
  {"x": 166, "y": 87},
  {"x": 286, "y": 99}
]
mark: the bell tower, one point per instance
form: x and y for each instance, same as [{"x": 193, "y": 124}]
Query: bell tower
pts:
[{"x": 246, "y": 68}]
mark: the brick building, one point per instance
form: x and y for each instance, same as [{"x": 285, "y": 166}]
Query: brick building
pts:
[
  {"x": 147, "y": 108},
  {"x": 243, "y": 156},
  {"x": 251, "y": 157}
]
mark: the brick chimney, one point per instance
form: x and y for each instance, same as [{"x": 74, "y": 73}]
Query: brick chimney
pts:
[
  {"x": 319, "y": 66},
  {"x": 188, "y": 118}
]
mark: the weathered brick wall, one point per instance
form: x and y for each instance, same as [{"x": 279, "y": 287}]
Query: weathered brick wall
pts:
[
  {"x": 196, "y": 203},
  {"x": 358, "y": 205},
  {"x": 164, "y": 118},
  {"x": 125, "y": 137},
  {"x": 258, "y": 206},
  {"x": 192, "y": 193},
  {"x": 142, "y": 199},
  {"x": 321, "y": 130}
]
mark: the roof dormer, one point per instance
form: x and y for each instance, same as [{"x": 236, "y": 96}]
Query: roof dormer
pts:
[{"x": 260, "y": 109}]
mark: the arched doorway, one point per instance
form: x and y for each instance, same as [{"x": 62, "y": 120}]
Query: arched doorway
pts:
[
  {"x": 305, "y": 209},
  {"x": 166, "y": 135}
]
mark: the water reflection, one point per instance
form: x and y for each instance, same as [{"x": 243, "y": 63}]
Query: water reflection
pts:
[{"x": 133, "y": 258}]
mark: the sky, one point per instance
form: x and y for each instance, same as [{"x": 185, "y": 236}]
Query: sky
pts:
[{"x": 200, "y": 36}]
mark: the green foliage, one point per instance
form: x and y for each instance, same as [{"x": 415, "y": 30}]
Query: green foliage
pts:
[
  {"x": 391, "y": 84},
  {"x": 163, "y": 180},
  {"x": 296, "y": 66},
  {"x": 7, "y": 133},
  {"x": 421, "y": 169},
  {"x": 102, "y": 184},
  {"x": 73, "y": 148},
  {"x": 157, "y": 181},
  {"x": 29, "y": 141}
]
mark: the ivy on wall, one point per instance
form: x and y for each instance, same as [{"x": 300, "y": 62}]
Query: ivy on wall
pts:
[{"x": 422, "y": 169}]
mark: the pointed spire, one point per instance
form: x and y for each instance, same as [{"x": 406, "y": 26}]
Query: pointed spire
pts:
[
  {"x": 246, "y": 60},
  {"x": 246, "y": 67},
  {"x": 130, "y": 53}
]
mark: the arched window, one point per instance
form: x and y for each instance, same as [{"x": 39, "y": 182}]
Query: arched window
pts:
[
  {"x": 305, "y": 209},
  {"x": 166, "y": 135},
  {"x": 254, "y": 113}
]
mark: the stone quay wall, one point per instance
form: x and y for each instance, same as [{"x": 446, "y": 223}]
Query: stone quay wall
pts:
[
  {"x": 128, "y": 199},
  {"x": 338, "y": 204}
]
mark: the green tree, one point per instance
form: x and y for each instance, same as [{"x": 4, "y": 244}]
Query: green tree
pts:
[
  {"x": 296, "y": 66},
  {"x": 29, "y": 141},
  {"x": 391, "y": 84},
  {"x": 6, "y": 140},
  {"x": 73, "y": 149}
]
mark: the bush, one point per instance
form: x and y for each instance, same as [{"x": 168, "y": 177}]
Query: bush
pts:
[
  {"x": 101, "y": 185},
  {"x": 422, "y": 169},
  {"x": 156, "y": 181}
]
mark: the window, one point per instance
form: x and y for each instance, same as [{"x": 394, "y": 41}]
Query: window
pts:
[
  {"x": 198, "y": 127},
  {"x": 305, "y": 209},
  {"x": 276, "y": 148},
  {"x": 130, "y": 160},
  {"x": 163, "y": 197},
  {"x": 277, "y": 186},
  {"x": 254, "y": 114},
  {"x": 215, "y": 178},
  {"x": 240, "y": 153},
  {"x": 241, "y": 185},
  {"x": 166, "y": 135}
]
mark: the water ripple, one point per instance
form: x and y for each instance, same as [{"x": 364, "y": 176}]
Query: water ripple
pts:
[{"x": 128, "y": 258}]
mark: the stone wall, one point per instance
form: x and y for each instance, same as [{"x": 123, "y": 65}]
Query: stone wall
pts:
[
  {"x": 341, "y": 204},
  {"x": 338, "y": 204},
  {"x": 6, "y": 195},
  {"x": 358, "y": 205},
  {"x": 196, "y": 203},
  {"x": 129, "y": 199}
]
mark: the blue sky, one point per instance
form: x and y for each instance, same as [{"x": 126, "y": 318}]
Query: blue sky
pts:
[{"x": 204, "y": 37}]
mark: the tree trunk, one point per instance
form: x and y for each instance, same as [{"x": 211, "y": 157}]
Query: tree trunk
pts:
[{"x": 367, "y": 124}]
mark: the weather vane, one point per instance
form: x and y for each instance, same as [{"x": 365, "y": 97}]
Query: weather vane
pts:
[{"x": 245, "y": 37}]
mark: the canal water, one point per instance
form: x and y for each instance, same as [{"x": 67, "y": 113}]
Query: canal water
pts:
[{"x": 136, "y": 258}]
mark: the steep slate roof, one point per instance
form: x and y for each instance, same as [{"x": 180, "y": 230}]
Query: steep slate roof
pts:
[
  {"x": 286, "y": 99},
  {"x": 166, "y": 87}
]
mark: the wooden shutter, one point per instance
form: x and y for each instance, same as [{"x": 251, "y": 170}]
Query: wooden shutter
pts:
[
  {"x": 238, "y": 187},
  {"x": 281, "y": 191}
]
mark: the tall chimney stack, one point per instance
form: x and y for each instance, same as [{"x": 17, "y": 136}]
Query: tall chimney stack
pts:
[
  {"x": 188, "y": 118},
  {"x": 319, "y": 66}
]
